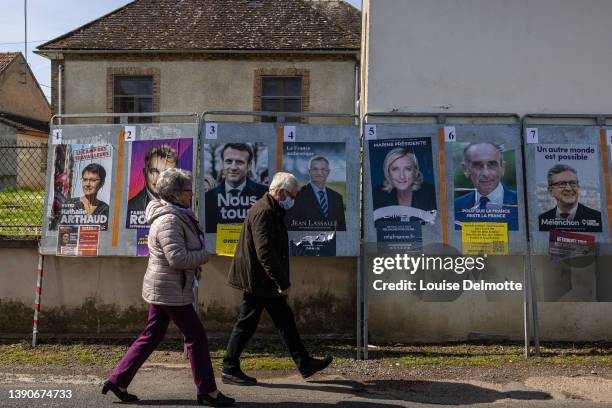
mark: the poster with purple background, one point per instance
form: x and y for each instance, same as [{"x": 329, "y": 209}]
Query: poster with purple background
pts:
[{"x": 149, "y": 158}]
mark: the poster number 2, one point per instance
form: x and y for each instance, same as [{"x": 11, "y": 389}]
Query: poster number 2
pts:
[
  {"x": 129, "y": 133},
  {"x": 211, "y": 131}
]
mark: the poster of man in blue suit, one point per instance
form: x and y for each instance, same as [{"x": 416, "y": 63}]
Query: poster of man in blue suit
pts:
[{"x": 485, "y": 188}]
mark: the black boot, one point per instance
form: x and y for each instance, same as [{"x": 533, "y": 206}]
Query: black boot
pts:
[
  {"x": 122, "y": 395},
  {"x": 220, "y": 401},
  {"x": 309, "y": 366},
  {"x": 237, "y": 377}
]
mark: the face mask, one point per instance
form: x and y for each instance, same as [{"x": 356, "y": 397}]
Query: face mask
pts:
[{"x": 287, "y": 203}]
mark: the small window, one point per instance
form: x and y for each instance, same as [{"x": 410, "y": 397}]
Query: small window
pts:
[
  {"x": 281, "y": 94},
  {"x": 133, "y": 94}
]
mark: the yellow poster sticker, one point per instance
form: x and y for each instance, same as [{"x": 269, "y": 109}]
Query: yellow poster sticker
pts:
[
  {"x": 227, "y": 238},
  {"x": 484, "y": 238}
]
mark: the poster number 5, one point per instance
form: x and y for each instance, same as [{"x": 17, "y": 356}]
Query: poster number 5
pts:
[
  {"x": 532, "y": 135},
  {"x": 211, "y": 131},
  {"x": 450, "y": 134},
  {"x": 370, "y": 132},
  {"x": 289, "y": 134}
]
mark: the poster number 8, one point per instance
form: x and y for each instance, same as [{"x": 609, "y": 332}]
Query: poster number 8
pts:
[{"x": 211, "y": 130}]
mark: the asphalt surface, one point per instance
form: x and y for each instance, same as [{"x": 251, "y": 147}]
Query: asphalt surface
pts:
[{"x": 163, "y": 386}]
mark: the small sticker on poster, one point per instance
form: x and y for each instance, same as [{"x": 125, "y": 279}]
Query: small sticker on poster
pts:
[
  {"x": 67, "y": 240},
  {"x": 142, "y": 241},
  {"x": 56, "y": 136},
  {"x": 485, "y": 238},
  {"x": 289, "y": 134},
  {"x": 370, "y": 132},
  {"x": 129, "y": 133},
  {"x": 210, "y": 131},
  {"x": 567, "y": 245},
  {"x": 89, "y": 237},
  {"x": 227, "y": 239},
  {"x": 322, "y": 244},
  {"x": 450, "y": 134}
]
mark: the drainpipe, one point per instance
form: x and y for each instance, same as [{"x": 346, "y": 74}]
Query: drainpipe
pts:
[
  {"x": 357, "y": 79},
  {"x": 59, "y": 91}
]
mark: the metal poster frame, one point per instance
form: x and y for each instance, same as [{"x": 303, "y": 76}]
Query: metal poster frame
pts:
[{"x": 440, "y": 119}]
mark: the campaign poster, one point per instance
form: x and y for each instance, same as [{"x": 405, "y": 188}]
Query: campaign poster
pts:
[
  {"x": 82, "y": 185},
  {"x": 485, "y": 184},
  {"x": 316, "y": 244},
  {"x": 565, "y": 245},
  {"x": 89, "y": 238},
  {"x": 403, "y": 192},
  {"x": 149, "y": 158},
  {"x": 142, "y": 241},
  {"x": 568, "y": 187},
  {"x": 236, "y": 175},
  {"x": 67, "y": 240},
  {"x": 320, "y": 204}
]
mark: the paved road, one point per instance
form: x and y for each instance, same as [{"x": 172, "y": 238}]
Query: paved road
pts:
[{"x": 172, "y": 386}]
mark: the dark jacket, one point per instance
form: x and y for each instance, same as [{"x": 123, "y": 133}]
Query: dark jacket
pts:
[
  {"x": 261, "y": 261},
  {"x": 467, "y": 201},
  {"x": 586, "y": 219},
  {"x": 138, "y": 203},
  {"x": 213, "y": 214},
  {"x": 307, "y": 208}
]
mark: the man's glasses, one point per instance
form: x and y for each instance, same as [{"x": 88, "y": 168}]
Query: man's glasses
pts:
[{"x": 564, "y": 184}]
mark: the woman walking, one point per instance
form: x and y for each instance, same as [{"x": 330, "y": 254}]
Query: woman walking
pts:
[{"x": 176, "y": 251}]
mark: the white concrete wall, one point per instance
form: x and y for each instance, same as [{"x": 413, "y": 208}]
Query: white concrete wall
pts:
[{"x": 520, "y": 56}]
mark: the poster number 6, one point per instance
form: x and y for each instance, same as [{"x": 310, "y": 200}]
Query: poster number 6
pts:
[
  {"x": 450, "y": 134},
  {"x": 532, "y": 135},
  {"x": 211, "y": 130}
]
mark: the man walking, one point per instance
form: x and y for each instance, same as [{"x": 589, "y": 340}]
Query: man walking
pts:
[{"x": 260, "y": 269}]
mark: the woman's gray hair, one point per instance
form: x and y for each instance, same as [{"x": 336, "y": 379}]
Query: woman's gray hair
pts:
[
  {"x": 171, "y": 182},
  {"x": 284, "y": 181}
]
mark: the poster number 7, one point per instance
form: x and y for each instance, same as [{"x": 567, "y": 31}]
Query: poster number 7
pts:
[
  {"x": 532, "y": 135},
  {"x": 211, "y": 131}
]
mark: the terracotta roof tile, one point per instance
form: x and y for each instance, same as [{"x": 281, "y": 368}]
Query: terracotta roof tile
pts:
[
  {"x": 6, "y": 58},
  {"x": 219, "y": 25}
]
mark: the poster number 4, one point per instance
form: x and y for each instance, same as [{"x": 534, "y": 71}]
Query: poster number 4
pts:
[
  {"x": 211, "y": 130},
  {"x": 450, "y": 134},
  {"x": 289, "y": 134},
  {"x": 129, "y": 133},
  {"x": 56, "y": 137},
  {"x": 532, "y": 135}
]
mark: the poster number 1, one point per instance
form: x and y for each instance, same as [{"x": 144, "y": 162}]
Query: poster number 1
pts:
[
  {"x": 211, "y": 130},
  {"x": 289, "y": 134},
  {"x": 56, "y": 137},
  {"x": 450, "y": 134},
  {"x": 532, "y": 135}
]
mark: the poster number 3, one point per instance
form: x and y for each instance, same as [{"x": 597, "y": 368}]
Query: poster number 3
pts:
[{"x": 211, "y": 130}]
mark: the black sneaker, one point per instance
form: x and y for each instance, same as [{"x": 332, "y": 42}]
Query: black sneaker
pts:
[
  {"x": 237, "y": 377},
  {"x": 313, "y": 365},
  {"x": 220, "y": 401}
]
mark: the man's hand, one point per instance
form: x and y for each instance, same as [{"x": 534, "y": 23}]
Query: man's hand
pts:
[{"x": 284, "y": 292}]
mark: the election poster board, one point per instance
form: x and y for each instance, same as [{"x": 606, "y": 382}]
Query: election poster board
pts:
[
  {"x": 97, "y": 185},
  {"x": 568, "y": 214},
  {"x": 481, "y": 210},
  {"x": 239, "y": 161}
]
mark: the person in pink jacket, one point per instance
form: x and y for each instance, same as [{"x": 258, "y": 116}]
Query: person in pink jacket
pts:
[{"x": 176, "y": 251}]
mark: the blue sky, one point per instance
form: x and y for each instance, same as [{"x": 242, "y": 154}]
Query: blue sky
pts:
[{"x": 48, "y": 19}]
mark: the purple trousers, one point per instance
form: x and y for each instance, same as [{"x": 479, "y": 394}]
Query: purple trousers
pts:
[{"x": 196, "y": 341}]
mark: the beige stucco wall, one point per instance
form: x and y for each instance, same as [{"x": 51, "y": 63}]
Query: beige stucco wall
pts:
[
  {"x": 523, "y": 56},
  {"x": 200, "y": 85},
  {"x": 78, "y": 291},
  {"x": 20, "y": 94}
]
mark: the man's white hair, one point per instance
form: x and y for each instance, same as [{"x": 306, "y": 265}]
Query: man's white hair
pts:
[{"x": 285, "y": 181}]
